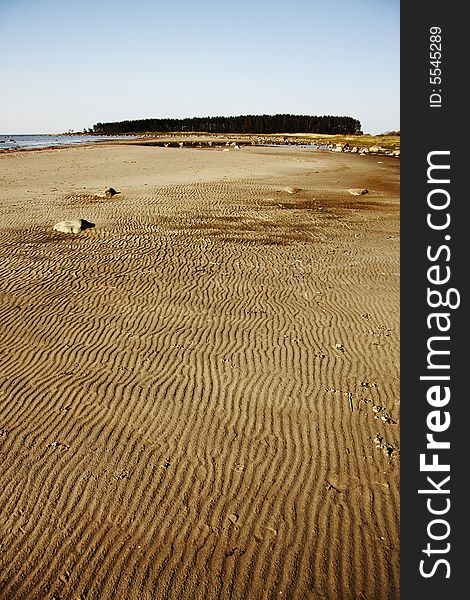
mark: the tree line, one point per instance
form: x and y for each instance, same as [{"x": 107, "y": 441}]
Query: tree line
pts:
[{"x": 283, "y": 123}]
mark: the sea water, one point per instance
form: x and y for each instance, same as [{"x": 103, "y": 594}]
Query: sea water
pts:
[{"x": 13, "y": 142}]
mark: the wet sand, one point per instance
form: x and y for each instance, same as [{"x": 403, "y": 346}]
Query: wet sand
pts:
[{"x": 199, "y": 396}]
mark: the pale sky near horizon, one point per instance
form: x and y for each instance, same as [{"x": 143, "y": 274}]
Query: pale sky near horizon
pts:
[{"x": 70, "y": 64}]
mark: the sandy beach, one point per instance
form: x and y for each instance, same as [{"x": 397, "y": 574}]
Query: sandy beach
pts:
[{"x": 199, "y": 396}]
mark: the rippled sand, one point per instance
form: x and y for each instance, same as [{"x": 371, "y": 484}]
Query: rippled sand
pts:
[{"x": 199, "y": 397}]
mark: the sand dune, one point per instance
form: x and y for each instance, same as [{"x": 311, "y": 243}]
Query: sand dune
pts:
[{"x": 199, "y": 397}]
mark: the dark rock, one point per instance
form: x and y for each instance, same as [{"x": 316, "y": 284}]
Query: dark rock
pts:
[{"x": 110, "y": 192}]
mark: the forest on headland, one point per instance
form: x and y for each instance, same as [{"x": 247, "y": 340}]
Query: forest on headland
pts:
[{"x": 282, "y": 123}]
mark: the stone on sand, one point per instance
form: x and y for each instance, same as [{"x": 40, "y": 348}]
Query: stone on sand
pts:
[
  {"x": 358, "y": 191},
  {"x": 73, "y": 226},
  {"x": 110, "y": 192}
]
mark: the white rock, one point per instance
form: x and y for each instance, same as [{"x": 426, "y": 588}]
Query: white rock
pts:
[
  {"x": 358, "y": 191},
  {"x": 72, "y": 226}
]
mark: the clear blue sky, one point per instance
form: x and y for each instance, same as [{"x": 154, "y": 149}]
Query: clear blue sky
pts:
[{"x": 67, "y": 64}]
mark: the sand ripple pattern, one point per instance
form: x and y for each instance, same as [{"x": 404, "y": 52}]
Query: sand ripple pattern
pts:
[{"x": 199, "y": 398}]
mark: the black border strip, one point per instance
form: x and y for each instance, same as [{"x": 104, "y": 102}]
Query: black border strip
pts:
[{"x": 433, "y": 236}]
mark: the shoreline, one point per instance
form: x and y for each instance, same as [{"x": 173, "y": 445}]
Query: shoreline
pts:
[{"x": 335, "y": 143}]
